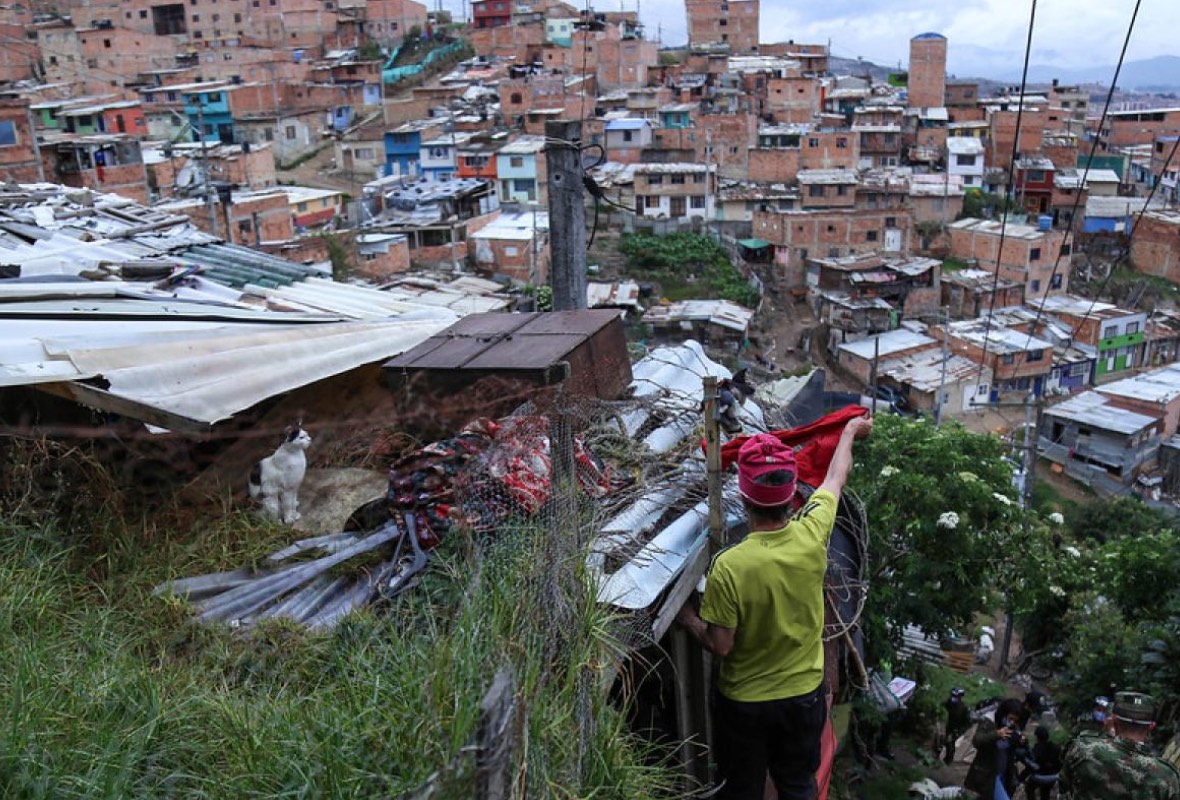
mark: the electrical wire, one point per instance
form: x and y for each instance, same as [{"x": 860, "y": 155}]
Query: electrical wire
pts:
[
  {"x": 1130, "y": 239},
  {"x": 1082, "y": 183},
  {"x": 1009, "y": 187}
]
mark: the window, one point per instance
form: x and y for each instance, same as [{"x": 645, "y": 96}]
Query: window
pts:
[
  {"x": 815, "y": 190},
  {"x": 698, "y": 177},
  {"x": 965, "y": 161},
  {"x": 842, "y": 142},
  {"x": 143, "y": 14},
  {"x": 1065, "y": 249},
  {"x": 1035, "y": 355},
  {"x": 871, "y": 236},
  {"x": 7, "y": 133},
  {"x": 1036, "y": 176},
  {"x": 290, "y": 132},
  {"x": 1034, "y": 254},
  {"x": 678, "y": 178},
  {"x": 1055, "y": 283},
  {"x": 698, "y": 201},
  {"x": 301, "y": 207},
  {"x": 237, "y": 17},
  {"x": 1110, "y": 331},
  {"x": 92, "y": 63},
  {"x": 106, "y": 43},
  {"x": 196, "y": 17},
  {"x": 363, "y": 153},
  {"x": 1132, "y": 327},
  {"x": 1036, "y": 286},
  {"x": 813, "y": 142},
  {"x": 516, "y": 162},
  {"x": 724, "y": 23},
  {"x": 842, "y": 191},
  {"x": 216, "y": 17},
  {"x": 1009, "y": 358},
  {"x": 244, "y": 227},
  {"x": 653, "y": 179},
  {"x": 628, "y": 136},
  {"x": 891, "y": 222},
  {"x": 516, "y": 98}
]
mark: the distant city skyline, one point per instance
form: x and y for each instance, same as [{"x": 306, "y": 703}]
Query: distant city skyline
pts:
[{"x": 987, "y": 37}]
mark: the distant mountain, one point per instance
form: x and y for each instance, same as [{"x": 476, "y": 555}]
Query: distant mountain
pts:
[{"x": 1161, "y": 72}]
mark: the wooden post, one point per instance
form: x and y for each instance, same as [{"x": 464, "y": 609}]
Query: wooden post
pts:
[
  {"x": 496, "y": 738},
  {"x": 713, "y": 465},
  {"x": 567, "y": 215}
]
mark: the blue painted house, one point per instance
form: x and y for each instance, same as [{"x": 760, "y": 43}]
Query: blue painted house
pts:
[
  {"x": 520, "y": 171},
  {"x": 677, "y": 115},
  {"x": 207, "y": 107},
  {"x": 403, "y": 146}
]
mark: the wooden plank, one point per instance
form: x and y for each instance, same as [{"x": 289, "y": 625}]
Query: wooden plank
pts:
[
  {"x": 496, "y": 736},
  {"x": 681, "y": 590}
]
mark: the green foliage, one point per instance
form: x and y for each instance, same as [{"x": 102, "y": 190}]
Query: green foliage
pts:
[
  {"x": 339, "y": 255},
  {"x": 545, "y": 298},
  {"x": 369, "y": 50},
  {"x": 983, "y": 204},
  {"x": 1103, "y": 592},
  {"x": 1116, "y": 517},
  {"x": 687, "y": 265},
  {"x": 934, "y": 574}
]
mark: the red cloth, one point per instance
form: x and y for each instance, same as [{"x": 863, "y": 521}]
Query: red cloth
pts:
[
  {"x": 816, "y": 442},
  {"x": 827, "y": 758}
]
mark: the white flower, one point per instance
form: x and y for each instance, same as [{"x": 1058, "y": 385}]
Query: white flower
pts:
[
  {"x": 1056, "y": 518},
  {"x": 968, "y": 477},
  {"x": 1003, "y": 498},
  {"x": 1056, "y": 591},
  {"x": 1073, "y": 551},
  {"x": 948, "y": 519},
  {"x": 888, "y": 470}
]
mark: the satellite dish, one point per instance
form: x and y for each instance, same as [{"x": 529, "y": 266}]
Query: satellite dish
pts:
[{"x": 186, "y": 176}]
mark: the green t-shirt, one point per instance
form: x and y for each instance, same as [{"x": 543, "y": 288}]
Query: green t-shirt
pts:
[{"x": 770, "y": 588}]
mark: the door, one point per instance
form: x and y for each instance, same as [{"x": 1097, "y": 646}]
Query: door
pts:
[
  {"x": 893, "y": 240},
  {"x": 679, "y": 207}
]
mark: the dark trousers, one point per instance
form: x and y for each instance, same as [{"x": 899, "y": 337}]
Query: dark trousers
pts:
[{"x": 782, "y": 736}]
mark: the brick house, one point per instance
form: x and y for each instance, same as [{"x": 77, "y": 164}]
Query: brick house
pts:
[
  {"x": 1019, "y": 362},
  {"x": 799, "y": 235},
  {"x": 675, "y": 191},
  {"x": 1153, "y": 248},
  {"x": 1029, "y": 254},
  {"x": 858, "y": 356},
  {"x": 732, "y": 23},
  {"x": 19, "y": 161}
]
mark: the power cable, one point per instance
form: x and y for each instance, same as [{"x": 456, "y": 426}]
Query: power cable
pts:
[
  {"x": 1082, "y": 182},
  {"x": 1130, "y": 238},
  {"x": 1009, "y": 187}
]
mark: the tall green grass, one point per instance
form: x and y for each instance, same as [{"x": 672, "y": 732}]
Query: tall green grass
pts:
[{"x": 109, "y": 692}]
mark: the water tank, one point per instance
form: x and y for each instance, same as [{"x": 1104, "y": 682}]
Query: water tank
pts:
[{"x": 1045, "y": 222}]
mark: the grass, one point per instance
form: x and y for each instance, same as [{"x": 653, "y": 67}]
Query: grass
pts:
[{"x": 108, "y": 691}]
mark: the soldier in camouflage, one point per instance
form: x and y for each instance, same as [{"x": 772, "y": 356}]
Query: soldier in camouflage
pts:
[{"x": 1099, "y": 766}]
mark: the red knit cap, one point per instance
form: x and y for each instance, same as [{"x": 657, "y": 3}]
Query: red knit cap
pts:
[{"x": 760, "y": 455}]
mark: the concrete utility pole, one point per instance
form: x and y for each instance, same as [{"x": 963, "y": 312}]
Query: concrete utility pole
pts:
[
  {"x": 567, "y": 214},
  {"x": 946, "y": 339},
  {"x": 205, "y": 176},
  {"x": 1028, "y": 463}
]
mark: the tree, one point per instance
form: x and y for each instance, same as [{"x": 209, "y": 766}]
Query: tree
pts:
[{"x": 942, "y": 519}]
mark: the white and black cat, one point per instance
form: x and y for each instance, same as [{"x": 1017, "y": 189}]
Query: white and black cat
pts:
[{"x": 275, "y": 479}]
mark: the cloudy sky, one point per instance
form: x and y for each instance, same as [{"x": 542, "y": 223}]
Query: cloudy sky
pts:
[{"x": 986, "y": 37}]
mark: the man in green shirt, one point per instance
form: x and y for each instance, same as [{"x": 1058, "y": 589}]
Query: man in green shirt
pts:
[
  {"x": 763, "y": 613},
  {"x": 1103, "y": 767}
]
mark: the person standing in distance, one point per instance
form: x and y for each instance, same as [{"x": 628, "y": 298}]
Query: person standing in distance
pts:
[
  {"x": 763, "y": 614},
  {"x": 1098, "y": 766}
]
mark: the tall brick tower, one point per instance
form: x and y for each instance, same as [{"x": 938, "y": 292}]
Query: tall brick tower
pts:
[
  {"x": 927, "y": 71},
  {"x": 730, "y": 22}
]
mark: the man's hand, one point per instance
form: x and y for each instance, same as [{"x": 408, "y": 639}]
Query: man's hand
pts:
[
  {"x": 860, "y": 427},
  {"x": 687, "y": 615}
]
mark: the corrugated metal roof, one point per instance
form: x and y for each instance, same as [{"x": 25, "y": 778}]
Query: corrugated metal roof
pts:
[
  {"x": 1092, "y": 409},
  {"x": 1157, "y": 386},
  {"x": 888, "y": 343}
]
